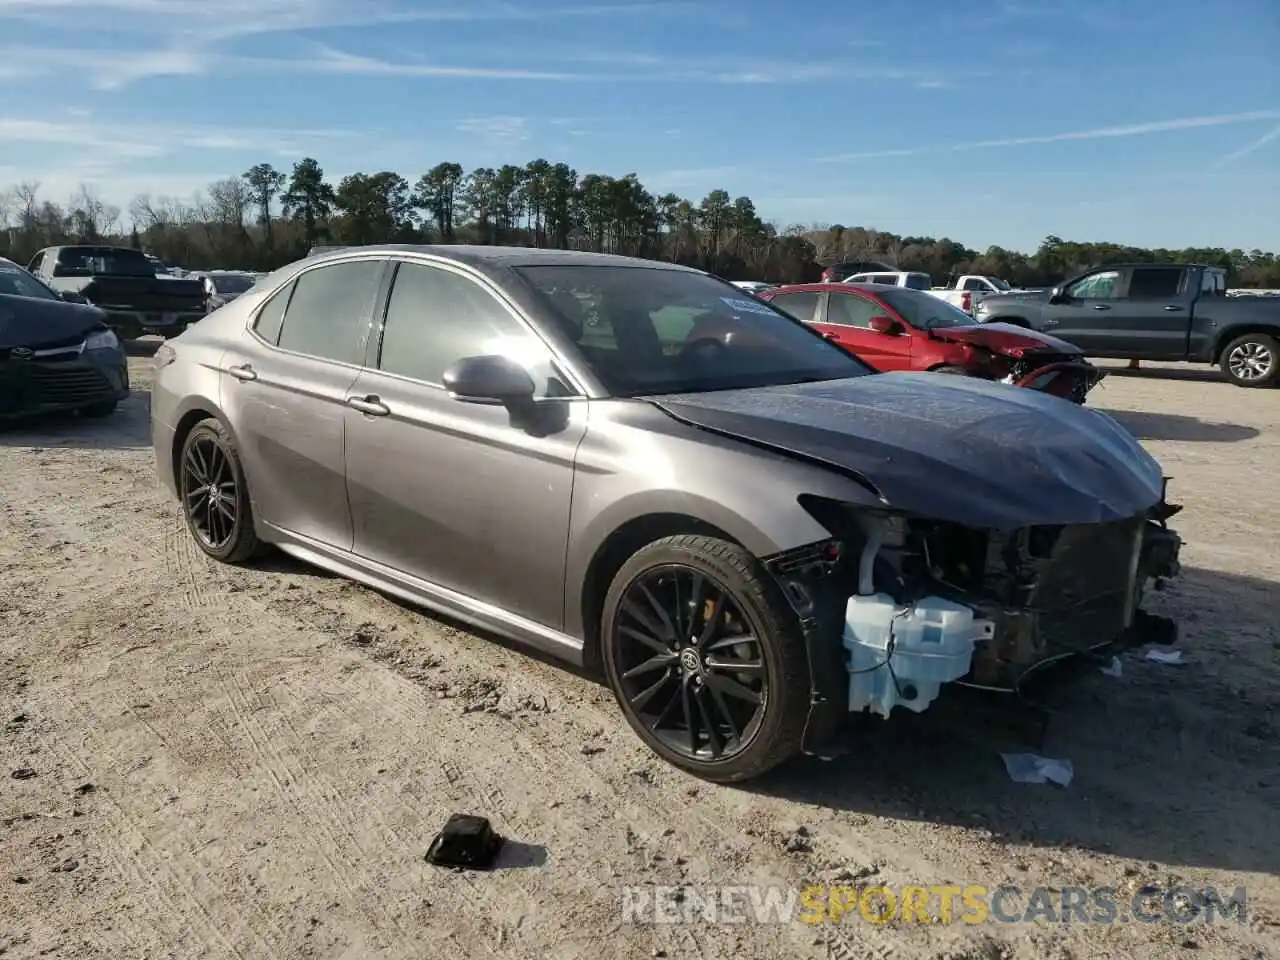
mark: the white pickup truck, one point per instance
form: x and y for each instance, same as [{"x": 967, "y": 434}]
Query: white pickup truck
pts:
[
  {"x": 968, "y": 291},
  {"x": 893, "y": 278}
]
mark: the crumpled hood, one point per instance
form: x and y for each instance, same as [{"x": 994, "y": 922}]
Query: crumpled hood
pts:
[
  {"x": 29, "y": 322},
  {"x": 1007, "y": 339},
  {"x": 949, "y": 448}
]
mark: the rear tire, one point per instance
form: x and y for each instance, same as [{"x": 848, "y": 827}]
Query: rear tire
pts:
[
  {"x": 748, "y": 699},
  {"x": 1251, "y": 360},
  {"x": 214, "y": 494}
]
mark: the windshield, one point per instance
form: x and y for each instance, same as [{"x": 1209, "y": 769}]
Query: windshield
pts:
[
  {"x": 102, "y": 262},
  {"x": 924, "y": 311},
  {"x": 648, "y": 331},
  {"x": 18, "y": 283},
  {"x": 232, "y": 283}
]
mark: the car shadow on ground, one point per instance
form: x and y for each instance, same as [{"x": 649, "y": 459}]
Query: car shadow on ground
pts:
[
  {"x": 1172, "y": 426},
  {"x": 129, "y": 427},
  {"x": 1175, "y": 764},
  {"x": 1201, "y": 375}
]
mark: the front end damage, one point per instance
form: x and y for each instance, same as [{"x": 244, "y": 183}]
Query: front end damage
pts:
[{"x": 895, "y": 607}]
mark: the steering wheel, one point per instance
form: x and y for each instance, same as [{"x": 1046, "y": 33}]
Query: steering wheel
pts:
[{"x": 711, "y": 345}]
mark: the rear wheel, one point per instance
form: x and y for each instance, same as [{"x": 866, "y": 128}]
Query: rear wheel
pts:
[
  {"x": 1252, "y": 360},
  {"x": 214, "y": 494},
  {"x": 705, "y": 658}
]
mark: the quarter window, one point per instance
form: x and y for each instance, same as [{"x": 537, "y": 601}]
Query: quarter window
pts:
[
  {"x": 436, "y": 317},
  {"x": 328, "y": 314},
  {"x": 271, "y": 317},
  {"x": 1097, "y": 286},
  {"x": 802, "y": 306}
]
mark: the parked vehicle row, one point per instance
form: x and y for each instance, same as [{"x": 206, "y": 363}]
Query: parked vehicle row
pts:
[
  {"x": 751, "y": 534},
  {"x": 123, "y": 283},
  {"x": 900, "y": 328},
  {"x": 55, "y": 356},
  {"x": 1145, "y": 311}
]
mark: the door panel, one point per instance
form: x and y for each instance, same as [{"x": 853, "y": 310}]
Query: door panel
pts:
[
  {"x": 849, "y": 317},
  {"x": 289, "y": 409},
  {"x": 469, "y": 496},
  {"x": 1086, "y": 318}
]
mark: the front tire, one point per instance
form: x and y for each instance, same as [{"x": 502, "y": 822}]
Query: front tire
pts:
[
  {"x": 215, "y": 495},
  {"x": 1252, "y": 360},
  {"x": 705, "y": 658}
]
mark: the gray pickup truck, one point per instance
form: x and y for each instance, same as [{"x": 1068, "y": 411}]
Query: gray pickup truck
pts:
[
  {"x": 1154, "y": 311},
  {"x": 122, "y": 282}
]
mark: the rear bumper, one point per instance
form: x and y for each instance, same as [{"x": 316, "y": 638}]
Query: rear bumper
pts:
[
  {"x": 33, "y": 387},
  {"x": 152, "y": 322}
]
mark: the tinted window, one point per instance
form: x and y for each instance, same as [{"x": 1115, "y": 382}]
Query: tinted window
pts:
[
  {"x": 925, "y": 311},
  {"x": 850, "y": 311},
  {"x": 329, "y": 311},
  {"x": 1155, "y": 282},
  {"x": 19, "y": 283},
  {"x": 974, "y": 285},
  {"x": 1098, "y": 286},
  {"x": 802, "y": 306},
  {"x": 232, "y": 283},
  {"x": 919, "y": 281},
  {"x": 436, "y": 317},
  {"x": 672, "y": 331},
  {"x": 102, "y": 261},
  {"x": 271, "y": 316}
]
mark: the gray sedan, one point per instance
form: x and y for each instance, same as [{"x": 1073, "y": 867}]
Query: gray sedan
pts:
[{"x": 634, "y": 466}]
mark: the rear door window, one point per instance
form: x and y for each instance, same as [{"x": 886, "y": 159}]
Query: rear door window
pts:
[
  {"x": 802, "y": 306},
  {"x": 1155, "y": 283},
  {"x": 328, "y": 315}
]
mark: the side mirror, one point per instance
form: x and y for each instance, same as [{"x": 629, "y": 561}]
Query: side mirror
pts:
[
  {"x": 70, "y": 296},
  {"x": 489, "y": 379},
  {"x": 1058, "y": 294},
  {"x": 885, "y": 325}
]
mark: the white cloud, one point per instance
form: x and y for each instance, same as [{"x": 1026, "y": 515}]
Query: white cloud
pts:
[
  {"x": 1248, "y": 148},
  {"x": 1099, "y": 133},
  {"x": 496, "y": 130}
]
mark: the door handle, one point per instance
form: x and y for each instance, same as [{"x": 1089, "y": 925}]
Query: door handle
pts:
[
  {"x": 1051, "y": 323},
  {"x": 1101, "y": 306},
  {"x": 1172, "y": 308},
  {"x": 243, "y": 372},
  {"x": 370, "y": 405}
]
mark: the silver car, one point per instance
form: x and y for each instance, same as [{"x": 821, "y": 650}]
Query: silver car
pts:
[{"x": 633, "y": 465}]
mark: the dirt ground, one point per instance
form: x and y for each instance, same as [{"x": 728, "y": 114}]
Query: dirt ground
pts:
[{"x": 218, "y": 762}]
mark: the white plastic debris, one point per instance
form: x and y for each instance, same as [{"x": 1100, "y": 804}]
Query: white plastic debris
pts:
[
  {"x": 1171, "y": 658},
  {"x": 1033, "y": 768},
  {"x": 1114, "y": 668}
]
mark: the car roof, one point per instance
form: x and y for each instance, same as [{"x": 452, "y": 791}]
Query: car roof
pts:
[
  {"x": 836, "y": 287},
  {"x": 477, "y": 255},
  {"x": 1179, "y": 266}
]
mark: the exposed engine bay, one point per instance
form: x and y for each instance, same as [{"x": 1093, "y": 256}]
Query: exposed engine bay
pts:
[{"x": 895, "y": 607}]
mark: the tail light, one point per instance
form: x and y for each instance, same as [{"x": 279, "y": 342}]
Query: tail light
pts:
[{"x": 966, "y": 301}]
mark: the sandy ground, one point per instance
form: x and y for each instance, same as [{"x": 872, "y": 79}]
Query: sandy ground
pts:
[{"x": 219, "y": 762}]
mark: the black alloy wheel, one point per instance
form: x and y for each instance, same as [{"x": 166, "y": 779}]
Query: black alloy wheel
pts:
[
  {"x": 690, "y": 670},
  {"x": 705, "y": 658},
  {"x": 215, "y": 498}
]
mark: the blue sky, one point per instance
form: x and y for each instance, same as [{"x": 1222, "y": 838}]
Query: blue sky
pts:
[{"x": 1153, "y": 122}]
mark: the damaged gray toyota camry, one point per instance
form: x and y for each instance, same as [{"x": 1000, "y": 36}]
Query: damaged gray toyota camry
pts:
[{"x": 633, "y": 466}]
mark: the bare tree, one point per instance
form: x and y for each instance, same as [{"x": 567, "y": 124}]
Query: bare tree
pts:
[{"x": 90, "y": 216}]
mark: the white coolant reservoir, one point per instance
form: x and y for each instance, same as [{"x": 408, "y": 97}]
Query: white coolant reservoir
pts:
[{"x": 933, "y": 641}]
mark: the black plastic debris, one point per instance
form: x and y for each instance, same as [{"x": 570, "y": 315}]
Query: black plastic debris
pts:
[{"x": 465, "y": 841}]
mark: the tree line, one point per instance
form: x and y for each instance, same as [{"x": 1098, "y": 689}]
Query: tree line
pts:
[{"x": 266, "y": 217}]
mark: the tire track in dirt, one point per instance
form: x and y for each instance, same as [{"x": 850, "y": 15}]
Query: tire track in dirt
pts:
[{"x": 139, "y": 860}]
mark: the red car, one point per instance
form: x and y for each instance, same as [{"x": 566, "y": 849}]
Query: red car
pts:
[{"x": 897, "y": 328}]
